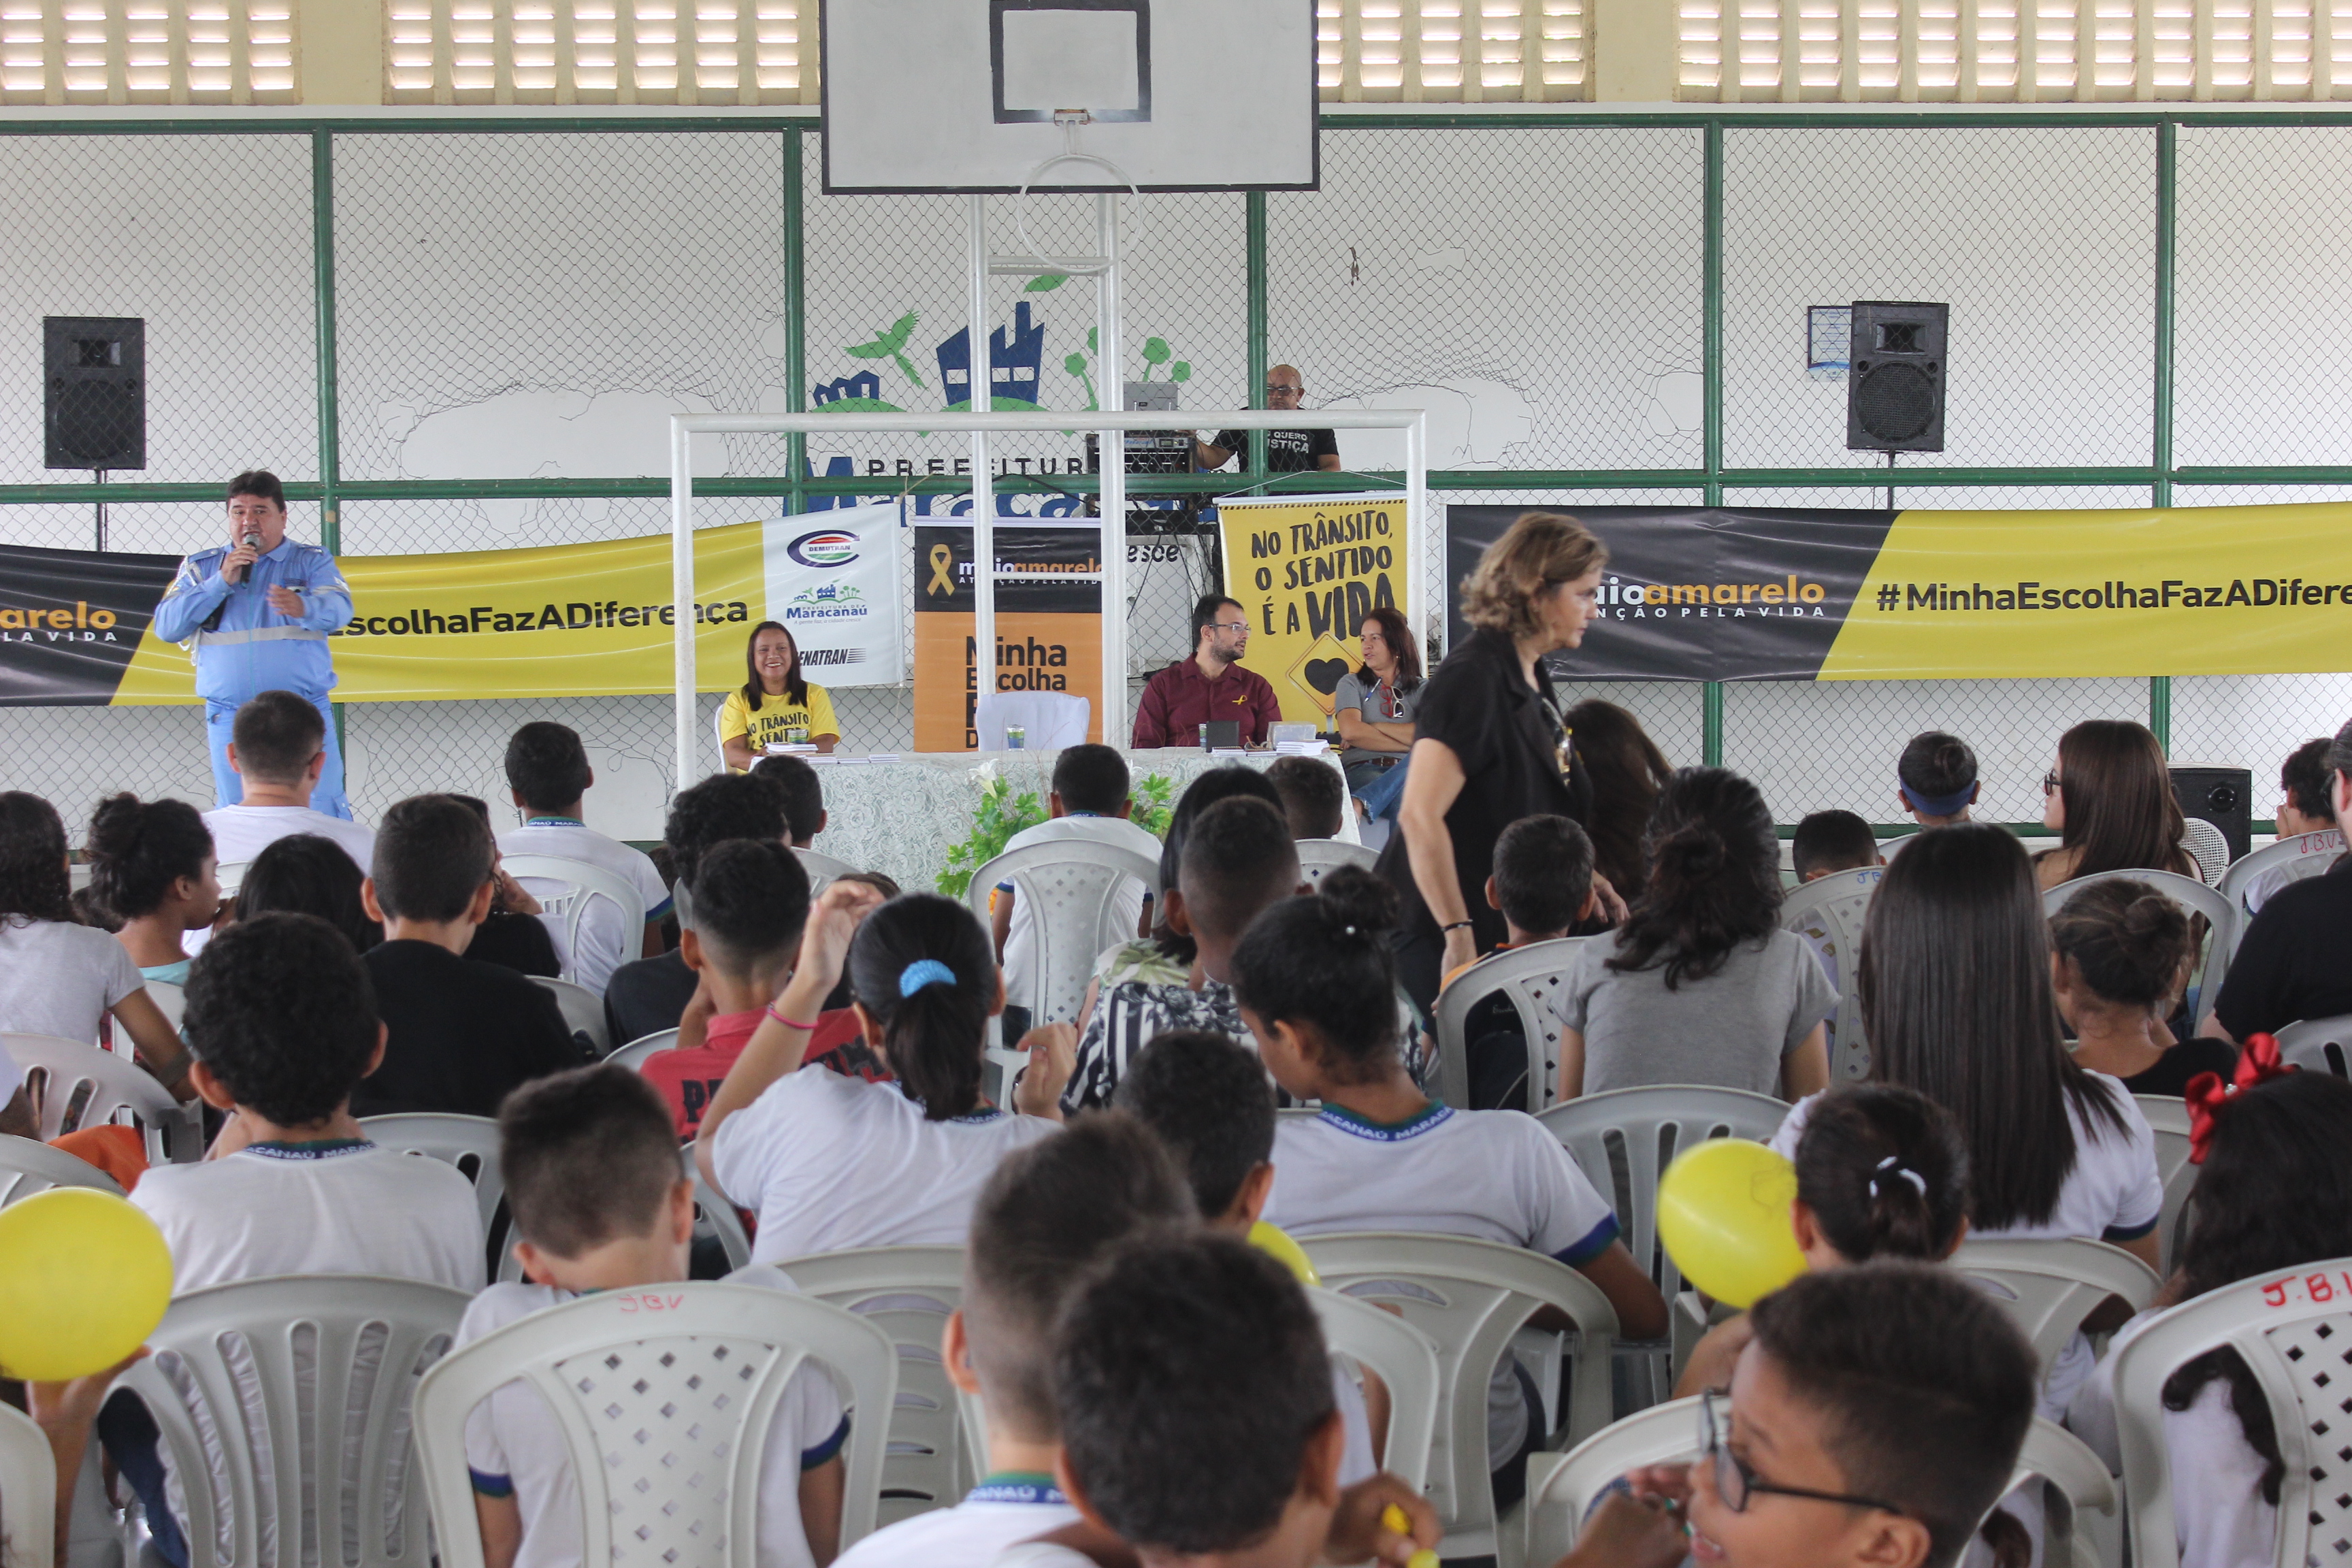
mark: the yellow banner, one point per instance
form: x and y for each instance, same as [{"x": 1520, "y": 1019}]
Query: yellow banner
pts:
[
  {"x": 1308, "y": 572},
  {"x": 558, "y": 621},
  {"x": 2186, "y": 590}
]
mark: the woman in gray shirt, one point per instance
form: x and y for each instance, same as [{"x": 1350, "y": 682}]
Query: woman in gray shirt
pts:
[
  {"x": 1374, "y": 705},
  {"x": 1700, "y": 985}
]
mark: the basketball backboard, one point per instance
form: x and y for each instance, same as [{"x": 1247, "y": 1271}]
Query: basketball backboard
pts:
[{"x": 963, "y": 95}]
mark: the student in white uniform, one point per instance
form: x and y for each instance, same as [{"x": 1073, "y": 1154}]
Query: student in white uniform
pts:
[
  {"x": 830, "y": 1162},
  {"x": 1316, "y": 977},
  {"x": 1954, "y": 984},
  {"x": 1238, "y": 1461},
  {"x": 2275, "y": 1193},
  {"x": 282, "y": 1020},
  {"x": 549, "y": 776},
  {"x": 278, "y": 749},
  {"x": 1048, "y": 1214},
  {"x": 590, "y": 1166},
  {"x": 1089, "y": 803}
]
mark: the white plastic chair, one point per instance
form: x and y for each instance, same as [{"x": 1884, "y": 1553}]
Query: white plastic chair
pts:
[
  {"x": 231, "y": 874},
  {"x": 632, "y": 1055},
  {"x": 171, "y": 1000},
  {"x": 2048, "y": 1286},
  {"x": 1071, "y": 887},
  {"x": 1405, "y": 1360},
  {"x": 2168, "y": 1118},
  {"x": 2209, "y": 846},
  {"x": 1829, "y": 912},
  {"x": 1054, "y": 719},
  {"x": 73, "y": 1085},
  {"x": 1650, "y": 1126},
  {"x": 469, "y": 1142},
  {"x": 27, "y": 1167},
  {"x": 2318, "y": 1044},
  {"x": 907, "y": 1292},
  {"x": 665, "y": 1398},
  {"x": 1562, "y": 1488},
  {"x": 2194, "y": 899},
  {"x": 317, "y": 1362},
  {"x": 579, "y": 885},
  {"x": 1317, "y": 856},
  {"x": 1470, "y": 1297},
  {"x": 719, "y": 734},
  {"x": 1530, "y": 977},
  {"x": 29, "y": 1490},
  {"x": 2302, "y": 855},
  {"x": 822, "y": 868},
  {"x": 2290, "y": 1330},
  {"x": 583, "y": 1013}
]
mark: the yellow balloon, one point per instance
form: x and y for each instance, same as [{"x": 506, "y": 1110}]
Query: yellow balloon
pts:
[
  {"x": 84, "y": 1280},
  {"x": 1723, "y": 1214},
  {"x": 1276, "y": 1243}
]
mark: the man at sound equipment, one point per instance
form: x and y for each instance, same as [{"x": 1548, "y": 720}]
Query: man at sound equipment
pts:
[
  {"x": 1287, "y": 451},
  {"x": 258, "y": 610}
]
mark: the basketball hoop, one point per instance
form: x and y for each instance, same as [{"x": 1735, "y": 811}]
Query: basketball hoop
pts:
[{"x": 1069, "y": 119}]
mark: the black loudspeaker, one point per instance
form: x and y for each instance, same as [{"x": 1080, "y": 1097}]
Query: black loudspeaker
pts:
[
  {"x": 1895, "y": 377},
  {"x": 2223, "y": 797},
  {"x": 94, "y": 382}
]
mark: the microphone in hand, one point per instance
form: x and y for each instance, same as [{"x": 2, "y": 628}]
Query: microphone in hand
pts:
[{"x": 234, "y": 570}]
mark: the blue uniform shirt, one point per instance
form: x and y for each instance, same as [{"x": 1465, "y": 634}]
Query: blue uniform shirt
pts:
[{"x": 251, "y": 648}]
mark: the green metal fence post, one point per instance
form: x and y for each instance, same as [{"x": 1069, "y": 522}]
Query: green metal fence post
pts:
[
  {"x": 1255, "y": 244},
  {"x": 2159, "y": 686},
  {"x": 322, "y": 271},
  {"x": 1711, "y": 375},
  {"x": 796, "y": 323}
]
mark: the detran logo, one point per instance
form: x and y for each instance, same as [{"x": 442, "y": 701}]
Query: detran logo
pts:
[{"x": 826, "y": 547}]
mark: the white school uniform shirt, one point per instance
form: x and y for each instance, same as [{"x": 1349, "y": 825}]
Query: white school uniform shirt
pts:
[
  {"x": 1020, "y": 940},
  {"x": 603, "y": 945},
  {"x": 1005, "y": 1509},
  {"x": 831, "y": 1163},
  {"x": 332, "y": 1207},
  {"x": 1491, "y": 1175},
  {"x": 2218, "y": 1517},
  {"x": 2112, "y": 1194},
  {"x": 515, "y": 1448},
  {"x": 241, "y": 832},
  {"x": 59, "y": 979}
]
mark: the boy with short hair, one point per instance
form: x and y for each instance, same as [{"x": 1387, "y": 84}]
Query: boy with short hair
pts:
[
  {"x": 548, "y": 775},
  {"x": 1239, "y": 1462},
  {"x": 1089, "y": 800},
  {"x": 1542, "y": 883},
  {"x": 1048, "y": 1213},
  {"x": 278, "y": 748},
  {"x": 601, "y": 1202},
  {"x": 1238, "y": 859},
  {"x": 802, "y": 792},
  {"x": 1314, "y": 794},
  {"x": 1830, "y": 841},
  {"x": 461, "y": 1032}
]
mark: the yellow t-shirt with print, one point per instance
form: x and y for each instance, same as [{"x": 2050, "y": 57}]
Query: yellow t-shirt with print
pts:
[{"x": 777, "y": 715}]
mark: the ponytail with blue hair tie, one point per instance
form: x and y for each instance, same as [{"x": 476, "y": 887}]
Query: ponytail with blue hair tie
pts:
[{"x": 921, "y": 972}]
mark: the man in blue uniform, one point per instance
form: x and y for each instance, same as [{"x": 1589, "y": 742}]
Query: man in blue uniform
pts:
[{"x": 258, "y": 611}]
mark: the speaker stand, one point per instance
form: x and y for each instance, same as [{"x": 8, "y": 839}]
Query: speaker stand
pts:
[
  {"x": 98, "y": 476},
  {"x": 1890, "y": 488}
]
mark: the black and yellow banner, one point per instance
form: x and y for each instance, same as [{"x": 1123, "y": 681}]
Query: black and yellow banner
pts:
[
  {"x": 1307, "y": 571},
  {"x": 1739, "y": 593},
  {"x": 1048, "y": 624}
]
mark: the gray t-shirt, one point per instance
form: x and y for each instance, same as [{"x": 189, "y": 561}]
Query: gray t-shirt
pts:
[
  {"x": 1377, "y": 704},
  {"x": 58, "y": 979},
  {"x": 1730, "y": 1029}
]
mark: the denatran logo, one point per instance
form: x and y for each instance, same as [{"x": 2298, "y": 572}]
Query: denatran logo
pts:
[{"x": 825, "y": 547}]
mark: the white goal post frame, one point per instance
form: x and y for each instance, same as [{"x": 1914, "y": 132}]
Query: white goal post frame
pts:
[{"x": 1110, "y": 425}]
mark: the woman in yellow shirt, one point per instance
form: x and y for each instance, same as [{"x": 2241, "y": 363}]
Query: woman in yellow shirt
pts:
[{"x": 775, "y": 702}]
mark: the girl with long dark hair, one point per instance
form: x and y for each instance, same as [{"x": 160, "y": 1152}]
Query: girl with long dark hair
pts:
[
  {"x": 1700, "y": 985},
  {"x": 1627, "y": 771},
  {"x": 1954, "y": 984},
  {"x": 1317, "y": 980},
  {"x": 2110, "y": 801},
  {"x": 303, "y": 874},
  {"x": 2121, "y": 956},
  {"x": 152, "y": 867},
  {"x": 777, "y": 703},
  {"x": 2275, "y": 1193},
  {"x": 1373, "y": 704},
  {"x": 829, "y": 1161}
]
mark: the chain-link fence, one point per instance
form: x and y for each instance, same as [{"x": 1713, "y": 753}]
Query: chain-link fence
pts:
[{"x": 515, "y": 311}]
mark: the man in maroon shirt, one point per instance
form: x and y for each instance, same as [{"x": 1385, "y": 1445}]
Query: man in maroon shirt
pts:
[{"x": 1208, "y": 686}]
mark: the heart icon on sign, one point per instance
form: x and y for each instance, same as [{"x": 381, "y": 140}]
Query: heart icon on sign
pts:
[{"x": 1323, "y": 674}]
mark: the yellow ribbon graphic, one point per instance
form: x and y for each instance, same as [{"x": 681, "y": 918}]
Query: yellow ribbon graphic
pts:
[{"x": 940, "y": 583}]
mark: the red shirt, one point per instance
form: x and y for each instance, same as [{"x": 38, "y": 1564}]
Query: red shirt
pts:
[
  {"x": 1180, "y": 700},
  {"x": 690, "y": 1079}
]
